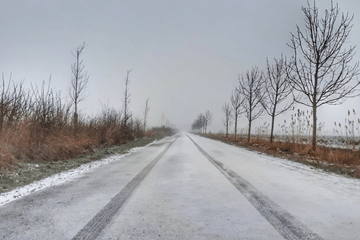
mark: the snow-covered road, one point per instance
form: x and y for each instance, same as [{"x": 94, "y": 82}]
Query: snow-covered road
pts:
[{"x": 189, "y": 187}]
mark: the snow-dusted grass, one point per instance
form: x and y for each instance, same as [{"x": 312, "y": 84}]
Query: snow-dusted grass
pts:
[{"x": 38, "y": 170}]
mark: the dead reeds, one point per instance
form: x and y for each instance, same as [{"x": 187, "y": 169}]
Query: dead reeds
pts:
[
  {"x": 36, "y": 125},
  {"x": 336, "y": 153}
]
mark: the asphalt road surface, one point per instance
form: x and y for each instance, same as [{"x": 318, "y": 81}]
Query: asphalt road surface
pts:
[{"x": 189, "y": 187}]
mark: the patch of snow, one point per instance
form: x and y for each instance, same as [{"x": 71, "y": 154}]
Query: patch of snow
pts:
[{"x": 61, "y": 177}]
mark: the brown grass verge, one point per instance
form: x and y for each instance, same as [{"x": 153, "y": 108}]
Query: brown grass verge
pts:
[
  {"x": 27, "y": 172},
  {"x": 342, "y": 161},
  {"x": 24, "y": 143}
]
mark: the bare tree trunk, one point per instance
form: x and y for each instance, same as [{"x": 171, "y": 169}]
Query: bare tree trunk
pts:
[
  {"x": 250, "y": 120},
  {"x": 249, "y": 131},
  {"x": 76, "y": 116},
  {"x": 235, "y": 126},
  {"x": 272, "y": 128},
  {"x": 272, "y": 124},
  {"x": 314, "y": 127},
  {"x": 314, "y": 106},
  {"x": 227, "y": 131}
]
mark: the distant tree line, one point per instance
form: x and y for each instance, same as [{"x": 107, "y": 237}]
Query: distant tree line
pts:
[{"x": 202, "y": 122}]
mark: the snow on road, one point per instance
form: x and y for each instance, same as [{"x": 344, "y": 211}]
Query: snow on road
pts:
[
  {"x": 186, "y": 197},
  {"x": 326, "y": 203},
  {"x": 60, "y": 178},
  {"x": 62, "y": 210},
  {"x": 203, "y": 189}
]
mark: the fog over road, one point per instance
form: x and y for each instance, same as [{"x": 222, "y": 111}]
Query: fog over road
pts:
[{"x": 190, "y": 187}]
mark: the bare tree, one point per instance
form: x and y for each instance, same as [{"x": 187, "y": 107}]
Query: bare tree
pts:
[
  {"x": 146, "y": 112},
  {"x": 252, "y": 88},
  {"x": 236, "y": 103},
  {"x": 79, "y": 80},
  {"x": 277, "y": 88},
  {"x": 227, "y": 121},
  {"x": 199, "y": 123},
  {"x": 320, "y": 68},
  {"x": 195, "y": 126},
  {"x": 126, "y": 101},
  {"x": 207, "y": 119}
]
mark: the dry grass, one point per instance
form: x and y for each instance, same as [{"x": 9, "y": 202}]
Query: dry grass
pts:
[
  {"x": 28, "y": 172},
  {"x": 23, "y": 144},
  {"x": 35, "y": 125},
  {"x": 344, "y": 161}
]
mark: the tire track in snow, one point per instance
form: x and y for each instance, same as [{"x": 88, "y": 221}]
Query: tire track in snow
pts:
[
  {"x": 94, "y": 227},
  {"x": 286, "y": 224}
]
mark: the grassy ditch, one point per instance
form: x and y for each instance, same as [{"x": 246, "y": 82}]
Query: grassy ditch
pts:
[
  {"x": 27, "y": 172},
  {"x": 337, "y": 160}
]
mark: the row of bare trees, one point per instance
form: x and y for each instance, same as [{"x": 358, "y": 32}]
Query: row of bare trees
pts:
[
  {"x": 259, "y": 92},
  {"x": 320, "y": 72},
  {"x": 202, "y": 122}
]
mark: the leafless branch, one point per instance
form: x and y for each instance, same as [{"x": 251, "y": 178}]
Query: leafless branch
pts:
[
  {"x": 227, "y": 121},
  {"x": 251, "y": 87},
  {"x": 79, "y": 79},
  {"x": 277, "y": 89},
  {"x": 321, "y": 67},
  {"x": 236, "y": 101},
  {"x": 126, "y": 101}
]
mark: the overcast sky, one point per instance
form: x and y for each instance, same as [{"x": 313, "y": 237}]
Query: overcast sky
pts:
[{"x": 185, "y": 55}]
